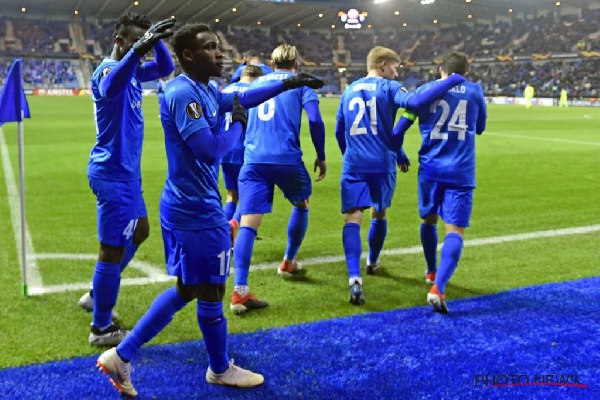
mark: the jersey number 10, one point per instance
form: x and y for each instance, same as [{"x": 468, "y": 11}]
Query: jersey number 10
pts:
[{"x": 457, "y": 123}]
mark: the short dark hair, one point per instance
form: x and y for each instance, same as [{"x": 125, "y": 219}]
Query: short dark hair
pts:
[
  {"x": 185, "y": 36},
  {"x": 130, "y": 18},
  {"x": 252, "y": 71},
  {"x": 251, "y": 54},
  {"x": 456, "y": 62}
]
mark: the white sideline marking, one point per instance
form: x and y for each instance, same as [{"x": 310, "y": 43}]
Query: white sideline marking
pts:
[
  {"x": 543, "y": 138},
  {"x": 472, "y": 242},
  {"x": 34, "y": 280},
  {"x": 156, "y": 276}
]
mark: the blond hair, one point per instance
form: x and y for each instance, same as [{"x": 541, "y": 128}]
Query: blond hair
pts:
[
  {"x": 378, "y": 54},
  {"x": 285, "y": 56}
]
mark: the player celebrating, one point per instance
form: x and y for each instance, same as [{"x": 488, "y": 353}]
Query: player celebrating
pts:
[
  {"x": 365, "y": 120},
  {"x": 276, "y": 160},
  {"x": 114, "y": 167},
  {"x": 251, "y": 57},
  {"x": 195, "y": 230},
  {"x": 447, "y": 172},
  {"x": 232, "y": 162}
]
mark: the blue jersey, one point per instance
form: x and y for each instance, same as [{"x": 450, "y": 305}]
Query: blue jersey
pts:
[
  {"x": 236, "y": 155},
  {"x": 190, "y": 199},
  {"x": 119, "y": 129},
  {"x": 238, "y": 72},
  {"x": 368, "y": 110},
  {"x": 448, "y": 131},
  {"x": 273, "y": 132}
]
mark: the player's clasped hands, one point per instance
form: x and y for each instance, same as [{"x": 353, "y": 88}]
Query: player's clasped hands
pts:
[{"x": 153, "y": 35}]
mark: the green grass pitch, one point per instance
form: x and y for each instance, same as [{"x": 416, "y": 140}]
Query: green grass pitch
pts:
[{"x": 537, "y": 171}]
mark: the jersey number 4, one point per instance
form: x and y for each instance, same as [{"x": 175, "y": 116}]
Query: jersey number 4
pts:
[
  {"x": 457, "y": 123},
  {"x": 359, "y": 103}
]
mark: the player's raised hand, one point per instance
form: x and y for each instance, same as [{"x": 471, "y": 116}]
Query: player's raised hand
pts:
[
  {"x": 239, "y": 112},
  {"x": 322, "y": 167},
  {"x": 302, "y": 79},
  {"x": 156, "y": 32}
]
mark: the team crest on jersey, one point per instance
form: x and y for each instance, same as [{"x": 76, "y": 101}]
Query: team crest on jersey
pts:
[
  {"x": 194, "y": 110},
  {"x": 105, "y": 72}
]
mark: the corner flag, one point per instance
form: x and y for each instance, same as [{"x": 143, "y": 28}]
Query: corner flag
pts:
[
  {"x": 13, "y": 104},
  {"x": 13, "y": 108}
]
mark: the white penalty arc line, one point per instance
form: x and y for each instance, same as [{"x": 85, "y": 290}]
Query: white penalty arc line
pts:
[
  {"x": 160, "y": 277},
  {"x": 542, "y": 138},
  {"x": 34, "y": 279}
]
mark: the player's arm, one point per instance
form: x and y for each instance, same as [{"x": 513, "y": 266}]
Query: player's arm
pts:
[
  {"x": 482, "y": 116},
  {"x": 340, "y": 128},
  {"x": 161, "y": 66},
  {"x": 114, "y": 81},
  {"x": 317, "y": 134},
  {"x": 209, "y": 148},
  {"x": 419, "y": 100},
  {"x": 258, "y": 95},
  {"x": 402, "y": 160}
]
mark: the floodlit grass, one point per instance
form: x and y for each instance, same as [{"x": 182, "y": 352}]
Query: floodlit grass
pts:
[{"x": 537, "y": 170}]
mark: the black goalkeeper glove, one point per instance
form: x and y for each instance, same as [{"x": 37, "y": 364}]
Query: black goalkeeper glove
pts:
[
  {"x": 239, "y": 112},
  {"x": 302, "y": 79},
  {"x": 153, "y": 35}
]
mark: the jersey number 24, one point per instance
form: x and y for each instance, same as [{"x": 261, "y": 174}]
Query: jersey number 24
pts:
[{"x": 457, "y": 123}]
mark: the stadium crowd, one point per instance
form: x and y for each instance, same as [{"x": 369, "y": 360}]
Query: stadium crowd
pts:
[{"x": 323, "y": 53}]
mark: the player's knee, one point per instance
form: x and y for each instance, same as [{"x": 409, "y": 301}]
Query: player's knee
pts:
[
  {"x": 302, "y": 205},
  {"x": 378, "y": 215},
  {"x": 431, "y": 219},
  {"x": 111, "y": 254},
  {"x": 353, "y": 216},
  {"x": 142, "y": 232},
  {"x": 233, "y": 196}
]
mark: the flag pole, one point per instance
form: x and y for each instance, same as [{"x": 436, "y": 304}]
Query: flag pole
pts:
[{"x": 22, "y": 196}]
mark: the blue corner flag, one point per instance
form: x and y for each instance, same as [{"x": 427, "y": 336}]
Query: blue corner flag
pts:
[{"x": 12, "y": 96}]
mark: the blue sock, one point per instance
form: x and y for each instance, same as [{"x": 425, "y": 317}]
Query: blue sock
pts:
[
  {"x": 453, "y": 244},
  {"x": 229, "y": 210},
  {"x": 236, "y": 215},
  {"x": 158, "y": 316},
  {"x": 377, "y": 234},
  {"x": 352, "y": 248},
  {"x": 242, "y": 254},
  {"x": 106, "y": 282},
  {"x": 213, "y": 325},
  {"x": 296, "y": 230},
  {"x": 429, "y": 240},
  {"x": 130, "y": 250}
]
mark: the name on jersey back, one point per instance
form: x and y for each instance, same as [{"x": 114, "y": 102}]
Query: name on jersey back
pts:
[{"x": 371, "y": 87}]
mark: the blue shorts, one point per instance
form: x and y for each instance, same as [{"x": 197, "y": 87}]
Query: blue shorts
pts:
[
  {"x": 118, "y": 205},
  {"x": 257, "y": 182},
  {"x": 365, "y": 189},
  {"x": 452, "y": 202},
  {"x": 231, "y": 173},
  {"x": 201, "y": 256}
]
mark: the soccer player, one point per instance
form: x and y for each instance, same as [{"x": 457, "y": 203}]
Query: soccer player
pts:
[
  {"x": 232, "y": 161},
  {"x": 447, "y": 172},
  {"x": 195, "y": 231},
  {"x": 562, "y": 102},
  {"x": 528, "y": 93},
  {"x": 365, "y": 120},
  {"x": 160, "y": 91},
  {"x": 251, "y": 57},
  {"x": 114, "y": 166},
  {"x": 276, "y": 160}
]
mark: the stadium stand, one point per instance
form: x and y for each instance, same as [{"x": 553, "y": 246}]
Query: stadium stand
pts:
[{"x": 549, "y": 50}]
